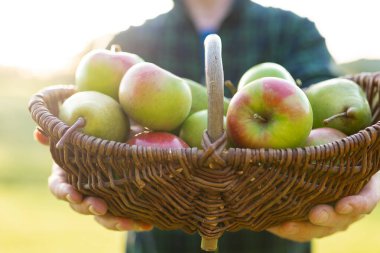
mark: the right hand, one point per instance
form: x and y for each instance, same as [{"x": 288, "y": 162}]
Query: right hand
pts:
[{"x": 90, "y": 205}]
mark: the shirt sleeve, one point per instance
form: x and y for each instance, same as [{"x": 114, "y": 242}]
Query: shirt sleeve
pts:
[
  {"x": 308, "y": 58},
  {"x": 128, "y": 40}
]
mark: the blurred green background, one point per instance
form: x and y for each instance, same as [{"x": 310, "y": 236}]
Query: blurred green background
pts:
[{"x": 32, "y": 220}]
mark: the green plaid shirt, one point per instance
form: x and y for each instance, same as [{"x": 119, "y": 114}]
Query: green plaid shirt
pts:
[{"x": 250, "y": 34}]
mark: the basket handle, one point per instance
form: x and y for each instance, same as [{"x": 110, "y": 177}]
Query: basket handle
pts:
[
  {"x": 215, "y": 86},
  {"x": 215, "y": 91}
]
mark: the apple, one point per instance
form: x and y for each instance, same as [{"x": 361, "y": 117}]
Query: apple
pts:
[
  {"x": 102, "y": 70},
  {"x": 40, "y": 137},
  {"x": 200, "y": 97},
  {"x": 269, "y": 113},
  {"x": 266, "y": 69},
  {"x": 157, "y": 140},
  {"x": 341, "y": 104},
  {"x": 323, "y": 135},
  {"x": 193, "y": 128},
  {"x": 103, "y": 115},
  {"x": 155, "y": 98}
]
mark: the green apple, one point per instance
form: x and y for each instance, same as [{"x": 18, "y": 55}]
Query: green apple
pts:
[
  {"x": 266, "y": 69},
  {"x": 269, "y": 113},
  {"x": 193, "y": 128},
  {"x": 323, "y": 135},
  {"x": 102, "y": 70},
  {"x": 103, "y": 115},
  {"x": 341, "y": 104},
  {"x": 154, "y": 97},
  {"x": 200, "y": 97}
]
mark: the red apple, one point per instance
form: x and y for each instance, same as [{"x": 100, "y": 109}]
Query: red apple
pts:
[
  {"x": 102, "y": 70},
  {"x": 40, "y": 137},
  {"x": 323, "y": 135},
  {"x": 158, "y": 140},
  {"x": 269, "y": 113}
]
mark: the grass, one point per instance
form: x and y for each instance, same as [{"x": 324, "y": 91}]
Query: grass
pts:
[{"x": 33, "y": 221}]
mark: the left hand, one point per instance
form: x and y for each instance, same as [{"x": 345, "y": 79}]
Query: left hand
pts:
[{"x": 325, "y": 220}]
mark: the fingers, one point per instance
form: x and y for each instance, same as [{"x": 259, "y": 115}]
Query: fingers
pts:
[
  {"x": 90, "y": 205},
  {"x": 301, "y": 231},
  {"x": 64, "y": 191},
  {"x": 40, "y": 136},
  {"x": 60, "y": 189},
  {"x": 364, "y": 202},
  {"x": 122, "y": 224},
  {"x": 323, "y": 221},
  {"x": 325, "y": 216}
]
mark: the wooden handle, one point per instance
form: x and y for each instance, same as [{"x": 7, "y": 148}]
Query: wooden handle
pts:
[
  {"x": 215, "y": 91},
  {"x": 215, "y": 85},
  {"x": 209, "y": 245}
]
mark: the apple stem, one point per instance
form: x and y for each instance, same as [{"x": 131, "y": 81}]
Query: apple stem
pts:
[
  {"x": 298, "y": 82},
  {"x": 328, "y": 120},
  {"x": 258, "y": 117},
  {"x": 115, "y": 48},
  {"x": 231, "y": 87},
  {"x": 80, "y": 123}
]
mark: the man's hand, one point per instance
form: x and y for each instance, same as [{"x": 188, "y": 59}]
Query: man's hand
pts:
[
  {"x": 325, "y": 220},
  {"x": 90, "y": 205}
]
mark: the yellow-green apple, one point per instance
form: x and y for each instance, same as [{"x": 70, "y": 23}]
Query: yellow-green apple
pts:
[
  {"x": 103, "y": 115},
  {"x": 102, "y": 70},
  {"x": 157, "y": 140},
  {"x": 341, "y": 104},
  {"x": 154, "y": 97},
  {"x": 269, "y": 113},
  {"x": 200, "y": 97},
  {"x": 266, "y": 69},
  {"x": 323, "y": 135},
  {"x": 193, "y": 128}
]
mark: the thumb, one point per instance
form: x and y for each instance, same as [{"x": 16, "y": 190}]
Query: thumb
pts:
[{"x": 40, "y": 136}]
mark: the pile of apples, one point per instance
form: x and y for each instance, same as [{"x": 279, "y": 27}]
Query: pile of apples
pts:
[{"x": 121, "y": 97}]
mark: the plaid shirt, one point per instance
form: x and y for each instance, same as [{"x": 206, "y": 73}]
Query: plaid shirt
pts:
[{"x": 250, "y": 34}]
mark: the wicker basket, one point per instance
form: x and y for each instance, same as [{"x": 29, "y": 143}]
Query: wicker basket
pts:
[{"x": 214, "y": 189}]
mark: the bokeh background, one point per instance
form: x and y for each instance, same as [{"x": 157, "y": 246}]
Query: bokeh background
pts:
[{"x": 41, "y": 42}]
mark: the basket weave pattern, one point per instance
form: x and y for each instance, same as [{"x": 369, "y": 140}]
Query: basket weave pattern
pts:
[{"x": 215, "y": 189}]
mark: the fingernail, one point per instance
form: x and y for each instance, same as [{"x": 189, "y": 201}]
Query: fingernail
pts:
[
  {"x": 93, "y": 211},
  {"x": 322, "y": 217},
  {"x": 290, "y": 229},
  {"x": 137, "y": 227},
  {"x": 146, "y": 226},
  {"x": 69, "y": 198},
  {"x": 346, "y": 209},
  {"x": 119, "y": 227}
]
